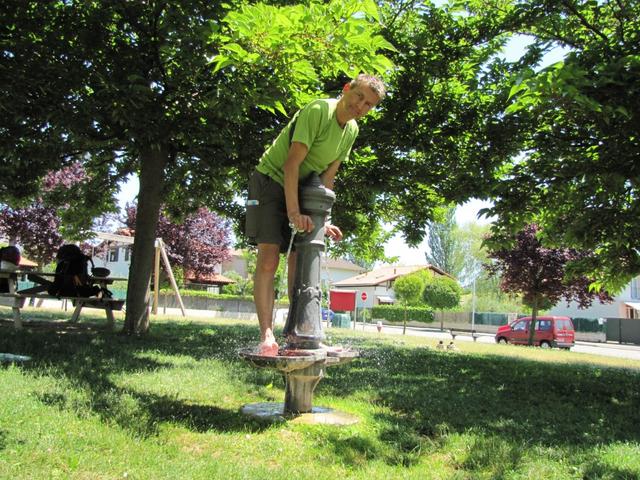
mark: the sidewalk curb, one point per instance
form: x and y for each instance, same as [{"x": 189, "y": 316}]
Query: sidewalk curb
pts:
[{"x": 620, "y": 346}]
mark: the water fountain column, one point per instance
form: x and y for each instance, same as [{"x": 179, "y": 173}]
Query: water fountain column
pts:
[
  {"x": 303, "y": 360},
  {"x": 303, "y": 328}
]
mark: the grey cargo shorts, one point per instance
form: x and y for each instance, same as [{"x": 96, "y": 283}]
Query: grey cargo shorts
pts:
[{"x": 266, "y": 220}]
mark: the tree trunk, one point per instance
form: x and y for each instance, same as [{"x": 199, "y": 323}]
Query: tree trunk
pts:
[
  {"x": 404, "y": 326},
  {"x": 153, "y": 162},
  {"x": 532, "y": 325}
]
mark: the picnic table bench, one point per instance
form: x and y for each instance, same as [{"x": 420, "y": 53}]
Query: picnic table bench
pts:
[
  {"x": 43, "y": 280},
  {"x": 456, "y": 331}
]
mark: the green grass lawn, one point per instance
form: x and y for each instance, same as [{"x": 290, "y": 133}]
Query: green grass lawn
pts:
[{"x": 97, "y": 405}]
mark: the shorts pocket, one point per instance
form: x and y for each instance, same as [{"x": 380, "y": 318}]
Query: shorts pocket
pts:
[{"x": 252, "y": 215}]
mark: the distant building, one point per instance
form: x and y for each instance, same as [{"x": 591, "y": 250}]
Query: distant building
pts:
[
  {"x": 331, "y": 269},
  {"x": 378, "y": 284},
  {"x": 236, "y": 263},
  {"x": 118, "y": 259},
  {"x": 116, "y": 256},
  {"x": 337, "y": 269},
  {"x": 625, "y": 305},
  {"x": 114, "y": 252},
  {"x": 211, "y": 282}
]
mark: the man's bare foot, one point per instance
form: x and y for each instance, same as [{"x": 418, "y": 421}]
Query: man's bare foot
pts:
[{"x": 268, "y": 348}]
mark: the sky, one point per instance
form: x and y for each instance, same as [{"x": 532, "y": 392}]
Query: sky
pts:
[{"x": 396, "y": 247}]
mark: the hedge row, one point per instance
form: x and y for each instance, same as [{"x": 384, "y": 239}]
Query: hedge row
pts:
[
  {"x": 394, "y": 313},
  {"x": 204, "y": 294}
]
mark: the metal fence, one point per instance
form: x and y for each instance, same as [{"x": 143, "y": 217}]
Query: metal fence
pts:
[{"x": 623, "y": 330}]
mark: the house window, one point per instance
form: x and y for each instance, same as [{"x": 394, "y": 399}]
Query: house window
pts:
[
  {"x": 113, "y": 255},
  {"x": 635, "y": 287},
  {"x": 127, "y": 254}
]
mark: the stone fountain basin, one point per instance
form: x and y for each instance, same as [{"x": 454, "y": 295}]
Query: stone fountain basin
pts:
[
  {"x": 341, "y": 356},
  {"x": 286, "y": 360}
]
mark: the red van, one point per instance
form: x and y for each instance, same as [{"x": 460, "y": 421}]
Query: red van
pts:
[{"x": 550, "y": 332}]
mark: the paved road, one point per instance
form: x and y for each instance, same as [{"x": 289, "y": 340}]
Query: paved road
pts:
[{"x": 605, "y": 349}]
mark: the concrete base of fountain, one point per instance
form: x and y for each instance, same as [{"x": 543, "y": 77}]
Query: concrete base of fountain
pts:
[
  {"x": 302, "y": 369},
  {"x": 318, "y": 416}
]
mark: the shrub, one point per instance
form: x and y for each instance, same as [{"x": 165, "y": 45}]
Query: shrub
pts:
[
  {"x": 441, "y": 292},
  {"x": 394, "y": 313}
]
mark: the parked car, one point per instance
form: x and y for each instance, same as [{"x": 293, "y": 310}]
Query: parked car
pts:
[{"x": 550, "y": 332}]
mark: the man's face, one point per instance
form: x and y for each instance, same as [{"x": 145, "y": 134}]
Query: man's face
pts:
[{"x": 358, "y": 100}]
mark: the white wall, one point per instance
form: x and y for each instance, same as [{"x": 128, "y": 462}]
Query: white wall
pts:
[
  {"x": 237, "y": 264},
  {"x": 335, "y": 274},
  {"x": 617, "y": 309},
  {"x": 119, "y": 268}
]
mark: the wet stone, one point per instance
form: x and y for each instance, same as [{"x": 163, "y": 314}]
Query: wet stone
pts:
[{"x": 318, "y": 416}]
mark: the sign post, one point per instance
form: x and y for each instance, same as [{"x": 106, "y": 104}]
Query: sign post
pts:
[
  {"x": 355, "y": 311},
  {"x": 363, "y": 296}
]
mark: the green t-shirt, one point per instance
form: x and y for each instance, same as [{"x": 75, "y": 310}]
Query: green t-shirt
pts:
[{"x": 317, "y": 127}]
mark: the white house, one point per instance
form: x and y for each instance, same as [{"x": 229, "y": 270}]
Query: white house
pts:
[
  {"x": 377, "y": 285},
  {"x": 625, "y": 305},
  {"x": 236, "y": 263},
  {"x": 117, "y": 257},
  {"x": 336, "y": 269}
]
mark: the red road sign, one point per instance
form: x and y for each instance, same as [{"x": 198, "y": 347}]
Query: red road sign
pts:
[{"x": 363, "y": 296}]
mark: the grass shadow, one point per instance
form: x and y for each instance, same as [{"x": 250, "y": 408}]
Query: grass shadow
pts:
[
  {"x": 87, "y": 356},
  {"x": 419, "y": 395},
  {"x": 527, "y": 401}
]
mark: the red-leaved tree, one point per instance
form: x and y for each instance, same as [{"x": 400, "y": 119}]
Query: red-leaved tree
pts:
[
  {"x": 199, "y": 244},
  {"x": 542, "y": 275},
  {"x": 37, "y": 227}
]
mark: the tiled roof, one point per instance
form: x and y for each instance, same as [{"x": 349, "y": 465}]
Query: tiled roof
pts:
[
  {"x": 212, "y": 278},
  {"x": 342, "y": 264},
  {"x": 383, "y": 275}
]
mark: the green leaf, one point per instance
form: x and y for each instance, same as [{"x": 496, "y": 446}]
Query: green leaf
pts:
[
  {"x": 235, "y": 48},
  {"x": 370, "y": 8},
  {"x": 517, "y": 88},
  {"x": 280, "y": 107}
]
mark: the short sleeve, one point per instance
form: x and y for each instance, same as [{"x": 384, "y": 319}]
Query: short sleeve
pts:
[{"x": 308, "y": 124}]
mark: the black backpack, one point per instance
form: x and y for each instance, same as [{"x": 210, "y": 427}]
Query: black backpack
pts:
[
  {"x": 72, "y": 274},
  {"x": 11, "y": 255}
]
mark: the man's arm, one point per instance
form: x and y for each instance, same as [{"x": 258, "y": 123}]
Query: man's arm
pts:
[
  {"x": 329, "y": 175},
  {"x": 297, "y": 153}
]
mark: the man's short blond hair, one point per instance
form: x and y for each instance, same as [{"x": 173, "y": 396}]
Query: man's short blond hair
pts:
[{"x": 371, "y": 81}]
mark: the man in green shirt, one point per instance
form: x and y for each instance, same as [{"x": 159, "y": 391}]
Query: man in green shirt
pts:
[{"x": 317, "y": 140}]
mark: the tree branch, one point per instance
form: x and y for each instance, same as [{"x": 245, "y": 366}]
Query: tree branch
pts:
[{"x": 585, "y": 22}]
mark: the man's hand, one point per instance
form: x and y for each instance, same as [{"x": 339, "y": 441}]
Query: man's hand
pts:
[
  {"x": 302, "y": 223},
  {"x": 333, "y": 232}
]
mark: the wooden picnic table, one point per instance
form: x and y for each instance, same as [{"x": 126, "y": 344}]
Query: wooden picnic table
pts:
[{"x": 43, "y": 281}]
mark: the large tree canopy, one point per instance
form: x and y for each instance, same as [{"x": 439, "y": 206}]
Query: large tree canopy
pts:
[
  {"x": 579, "y": 175},
  {"x": 187, "y": 93},
  {"x": 184, "y": 93},
  {"x": 442, "y": 137}
]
